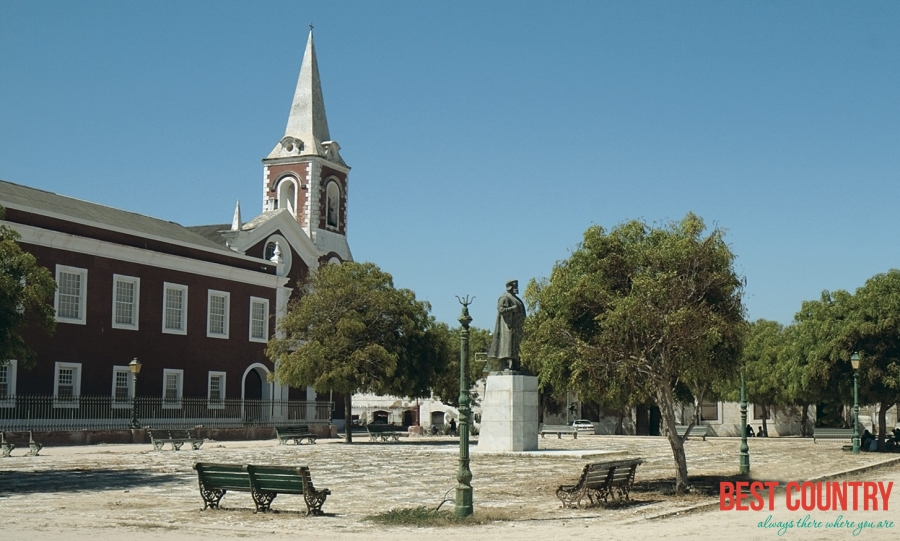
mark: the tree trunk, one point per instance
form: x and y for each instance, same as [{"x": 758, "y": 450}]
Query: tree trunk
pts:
[
  {"x": 348, "y": 419},
  {"x": 620, "y": 430},
  {"x": 804, "y": 420},
  {"x": 765, "y": 427},
  {"x": 666, "y": 402},
  {"x": 882, "y": 423}
]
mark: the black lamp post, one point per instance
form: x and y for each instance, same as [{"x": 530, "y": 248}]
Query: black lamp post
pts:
[
  {"x": 135, "y": 367},
  {"x": 854, "y": 361}
]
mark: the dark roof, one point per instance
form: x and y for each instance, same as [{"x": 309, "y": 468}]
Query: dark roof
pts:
[
  {"x": 211, "y": 232},
  {"x": 22, "y": 196}
]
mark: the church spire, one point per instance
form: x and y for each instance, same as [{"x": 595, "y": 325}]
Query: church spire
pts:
[
  {"x": 307, "y": 116},
  {"x": 306, "y": 133}
]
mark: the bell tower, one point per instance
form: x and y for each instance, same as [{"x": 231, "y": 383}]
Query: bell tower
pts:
[{"x": 305, "y": 174}]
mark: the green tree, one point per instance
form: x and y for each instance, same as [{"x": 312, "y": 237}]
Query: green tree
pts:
[
  {"x": 873, "y": 329},
  {"x": 352, "y": 331},
  {"x": 819, "y": 340},
  {"x": 26, "y": 296},
  {"x": 446, "y": 386},
  {"x": 646, "y": 308}
]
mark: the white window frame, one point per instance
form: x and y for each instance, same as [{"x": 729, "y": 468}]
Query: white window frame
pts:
[
  {"x": 184, "y": 308},
  {"x": 265, "y": 336},
  {"x": 136, "y": 282},
  {"x": 215, "y": 293},
  {"x": 129, "y": 387},
  {"x": 82, "y": 300},
  {"x": 337, "y": 210},
  {"x": 11, "y": 368},
  {"x": 173, "y": 404},
  {"x": 289, "y": 203},
  {"x": 210, "y": 403},
  {"x": 76, "y": 385}
]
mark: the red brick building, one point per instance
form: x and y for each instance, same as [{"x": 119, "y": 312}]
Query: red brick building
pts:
[{"x": 196, "y": 305}]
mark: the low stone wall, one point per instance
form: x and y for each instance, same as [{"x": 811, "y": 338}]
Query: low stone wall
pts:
[{"x": 94, "y": 437}]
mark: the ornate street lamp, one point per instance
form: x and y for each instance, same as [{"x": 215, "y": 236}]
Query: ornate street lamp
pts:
[
  {"x": 464, "y": 475},
  {"x": 745, "y": 449},
  {"x": 854, "y": 361},
  {"x": 135, "y": 367}
]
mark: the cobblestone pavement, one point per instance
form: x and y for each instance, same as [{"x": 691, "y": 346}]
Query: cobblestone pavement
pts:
[{"x": 134, "y": 487}]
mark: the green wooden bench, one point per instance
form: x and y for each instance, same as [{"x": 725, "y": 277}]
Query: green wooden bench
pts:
[
  {"x": 600, "y": 480},
  {"x": 176, "y": 438},
  {"x": 696, "y": 430},
  {"x": 559, "y": 430},
  {"x": 380, "y": 432},
  {"x": 8, "y": 447},
  {"x": 263, "y": 483},
  {"x": 296, "y": 433},
  {"x": 832, "y": 434}
]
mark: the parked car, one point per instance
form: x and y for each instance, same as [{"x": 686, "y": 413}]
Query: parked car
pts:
[{"x": 583, "y": 425}]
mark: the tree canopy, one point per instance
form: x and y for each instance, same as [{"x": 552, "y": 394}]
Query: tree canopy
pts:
[
  {"x": 873, "y": 330},
  {"x": 446, "y": 386},
  {"x": 351, "y": 331},
  {"x": 639, "y": 310},
  {"x": 26, "y": 296}
]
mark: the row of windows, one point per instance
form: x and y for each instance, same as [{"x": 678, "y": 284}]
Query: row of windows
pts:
[
  {"x": 67, "y": 386},
  {"x": 709, "y": 411},
  {"x": 71, "y": 300}
]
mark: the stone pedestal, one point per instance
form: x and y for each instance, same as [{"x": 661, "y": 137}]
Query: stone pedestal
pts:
[{"x": 509, "y": 414}]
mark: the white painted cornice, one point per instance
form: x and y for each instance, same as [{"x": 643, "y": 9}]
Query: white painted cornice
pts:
[{"x": 85, "y": 245}]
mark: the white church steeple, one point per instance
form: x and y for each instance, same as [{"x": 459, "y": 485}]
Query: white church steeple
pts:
[{"x": 304, "y": 173}]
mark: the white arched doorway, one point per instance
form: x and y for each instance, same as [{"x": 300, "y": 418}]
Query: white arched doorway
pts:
[{"x": 256, "y": 395}]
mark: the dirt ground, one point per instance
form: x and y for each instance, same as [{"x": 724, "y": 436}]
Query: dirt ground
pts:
[{"x": 106, "y": 492}]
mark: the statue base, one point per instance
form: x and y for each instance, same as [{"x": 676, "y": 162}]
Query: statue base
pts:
[{"x": 509, "y": 413}]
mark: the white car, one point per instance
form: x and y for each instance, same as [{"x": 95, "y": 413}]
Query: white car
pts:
[{"x": 583, "y": 425}]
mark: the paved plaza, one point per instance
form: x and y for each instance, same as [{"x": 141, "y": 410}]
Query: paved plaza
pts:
[{"x": 106, "y": 491}]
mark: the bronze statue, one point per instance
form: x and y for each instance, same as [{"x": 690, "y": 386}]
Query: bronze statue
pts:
[{"x": 508, "y": 329}]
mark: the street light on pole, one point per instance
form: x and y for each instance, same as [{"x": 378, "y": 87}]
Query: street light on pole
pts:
[
  {"x": 854, "y": 362},
  {"x": 464, "y": 475},
  {"x": 135, "y": 367},
  {"x": 745, "y": 449}
]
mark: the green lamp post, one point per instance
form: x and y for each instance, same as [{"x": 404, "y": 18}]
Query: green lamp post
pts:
[
  {"x": 745, "y": 449},
  {"x": 854, "y": 362},
  {"x": 464, "y": 475}
]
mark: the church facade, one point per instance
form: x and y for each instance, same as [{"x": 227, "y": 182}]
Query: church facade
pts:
[{"x": 195, "y": 305}]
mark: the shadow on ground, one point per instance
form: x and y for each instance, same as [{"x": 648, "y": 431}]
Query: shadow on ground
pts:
[{"x": 30, "y": 482}]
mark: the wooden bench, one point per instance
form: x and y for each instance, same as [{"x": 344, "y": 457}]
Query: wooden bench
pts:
[
  {"x": 559, "y": 430},
  {"x": 8, "y": 447},
  {"x": 696, "y": 430},
  {"x": 600, "y": 480},
  {"x": 177, "y": 438},
  {"x": 832, "y": 434},
  {"x": 296, "y": 433},
  {"x": 379, "y": 432},
  {"x": 263, "y": 483}
]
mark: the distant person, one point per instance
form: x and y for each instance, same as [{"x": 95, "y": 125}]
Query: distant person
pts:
[
  {"x": 749, "y": 431},
  {"x": 452, "y": 427},
  {"x": 760, "y": 434},
  {"x": 866, "y": 440}
]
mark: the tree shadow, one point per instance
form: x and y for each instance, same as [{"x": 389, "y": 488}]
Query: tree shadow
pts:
[
  {"x": 31, "y": 482},
  {"x": 701, "y": 485}
]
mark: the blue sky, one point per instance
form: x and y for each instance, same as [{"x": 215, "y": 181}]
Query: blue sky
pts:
[{"x": 485, "y": 137}]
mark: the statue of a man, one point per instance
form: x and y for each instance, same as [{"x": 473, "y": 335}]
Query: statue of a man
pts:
[{"x": 508, "y": 329}]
